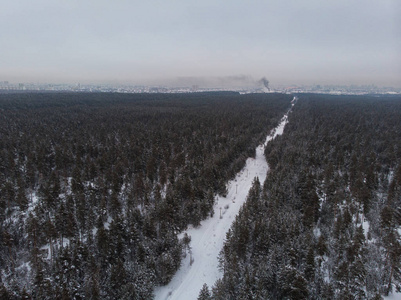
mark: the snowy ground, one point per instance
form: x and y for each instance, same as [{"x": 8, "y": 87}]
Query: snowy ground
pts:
[
  {"x": 207, "y": 240},
  {"x": 395, "y": 296}
]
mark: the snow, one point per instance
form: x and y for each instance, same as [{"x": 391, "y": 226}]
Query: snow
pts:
[
  {"x": 316, "y": 232},
  {"x": 207, "y": 240},
  {"x": 394, "y": 296},
  {"x": 365, "y": 226},
  {"x": 26, "y": 266},
  {"x": 46, "y": 249},
  {"x": 108, "y": 222},
  {"x": 34, "y": 198}
]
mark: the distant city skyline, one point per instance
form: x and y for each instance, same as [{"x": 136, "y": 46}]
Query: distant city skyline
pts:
[{"x": 204, "y": 43}]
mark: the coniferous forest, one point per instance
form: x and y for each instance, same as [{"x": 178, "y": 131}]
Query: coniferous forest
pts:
[
  {"x": 326, "y": 223},
  {"x": 95, "y": 187}
]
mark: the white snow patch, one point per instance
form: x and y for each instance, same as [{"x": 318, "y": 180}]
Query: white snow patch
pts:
[
  {"x": 365, "y": 226},
  {"x": 46, "y": 250},
  {"x": 316, "y": 232},
  {"x": 108, "y": 222},
  {"x": 25, "y": 265},
  {"x": 207, "y": 240},
  {"x": 34, "y": 198},
  {"x": 394, "y": 296}
]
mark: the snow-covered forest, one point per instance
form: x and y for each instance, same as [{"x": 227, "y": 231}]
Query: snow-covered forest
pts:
[
  {"x": 95, "y": 188},
  {"x": 326, "y": 222},
  {"x": 201, "y": 265}
]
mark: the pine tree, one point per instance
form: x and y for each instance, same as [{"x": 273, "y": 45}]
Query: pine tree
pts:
[
  {"x": 117, "y": 280},
  {"x": 22, "y": 200},
  {"x": 294, "y": 285},
  {"x": 4, "y": 294},
  {"x": 219, "y": 290},
  {"x": 204, "y": 293},
  {"x": 102, "y": 243},
  {"x": 310, "y": 265},
  {"x": 51, "y": 234},
  {"x": 391, "y": 240}
]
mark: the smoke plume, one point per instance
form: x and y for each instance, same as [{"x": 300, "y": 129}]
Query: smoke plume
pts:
[{"x": 265, "y": 82}]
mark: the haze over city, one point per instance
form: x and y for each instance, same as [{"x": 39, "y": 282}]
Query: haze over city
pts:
[{"x": 208, "y": 43}]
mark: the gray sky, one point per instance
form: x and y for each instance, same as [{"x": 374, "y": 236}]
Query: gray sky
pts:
[{"x": 129, "y": 41}]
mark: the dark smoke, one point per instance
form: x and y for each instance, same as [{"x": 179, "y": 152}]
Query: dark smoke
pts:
[{"x": 265, "y": 82}]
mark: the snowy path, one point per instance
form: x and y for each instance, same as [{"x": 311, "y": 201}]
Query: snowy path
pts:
[{"x": 208, "y": 239}]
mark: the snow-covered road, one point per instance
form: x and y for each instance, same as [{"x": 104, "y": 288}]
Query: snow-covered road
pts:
[{"x": 207, "y": 240}]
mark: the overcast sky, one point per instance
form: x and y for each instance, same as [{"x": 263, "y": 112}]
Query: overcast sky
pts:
[{"x": 288, "y": 41}]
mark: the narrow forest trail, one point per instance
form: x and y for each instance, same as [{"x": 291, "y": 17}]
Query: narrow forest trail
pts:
[{"x": 207, "y": 240}]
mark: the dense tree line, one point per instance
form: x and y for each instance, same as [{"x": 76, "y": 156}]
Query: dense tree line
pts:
[
  {"x": 95, "y": 187},
  {"x": 326, "y": 223}
]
